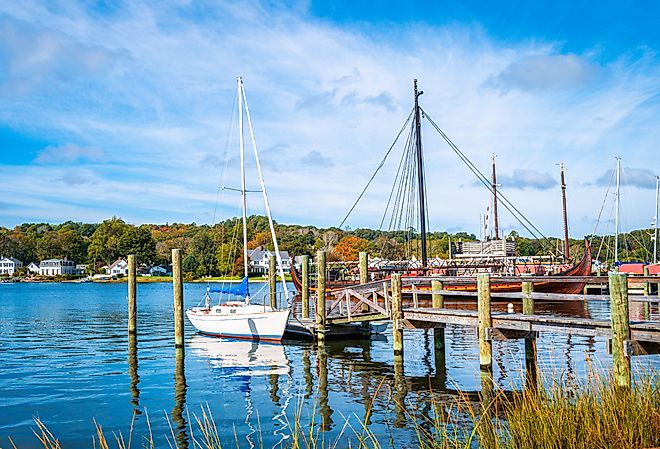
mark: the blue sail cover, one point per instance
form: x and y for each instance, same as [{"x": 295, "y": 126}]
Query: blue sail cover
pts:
[{"x": 241, "y": 289}]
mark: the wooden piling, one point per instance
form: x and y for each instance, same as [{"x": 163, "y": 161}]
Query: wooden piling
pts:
[
  {"x": 620, "y": 328},
  {"x": 304, "y": 295},
  {"x": 272, "y": 281},
  {"x": 364, "y": 277},
  {"x": 647, "y": 288},
  {"x": 320, "y": 297},
  {"x": 437, "y": 299},
  {"x": 132, "y": 295},
  {"x": 177, "y": 284},
  {"x": 438, "y": 302},
  {"x": 485, "y": 321},
  {"x": 531, "y": 369},
  {"x": 397, "y": 316},
  {"x": 528, "y": 301},
  {"x": 364, "y": 267}
]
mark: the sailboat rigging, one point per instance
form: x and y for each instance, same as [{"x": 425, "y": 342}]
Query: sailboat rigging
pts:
[{"x": 240, "y": 319}]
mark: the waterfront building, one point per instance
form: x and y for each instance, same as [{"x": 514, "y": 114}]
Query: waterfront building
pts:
[
  {"x": 160, "y": 270},
  {"x": 33, "y": 268},
  {"x": 9, "y": 265},
  {"x": 259, "y": 260},
  {"x": 56, "y": 267},
  {"x": 118, "y": 267}
]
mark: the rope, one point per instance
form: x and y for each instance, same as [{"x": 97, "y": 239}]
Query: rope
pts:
[
  {"x": 519, "y": 216},
  {"x": 376, "y": 172}
]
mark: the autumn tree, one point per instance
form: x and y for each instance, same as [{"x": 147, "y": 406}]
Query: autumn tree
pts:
[{"x": 349, "y": 247}]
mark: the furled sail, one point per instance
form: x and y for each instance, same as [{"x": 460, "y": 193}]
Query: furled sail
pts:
[{"x": 241, "y": 289}]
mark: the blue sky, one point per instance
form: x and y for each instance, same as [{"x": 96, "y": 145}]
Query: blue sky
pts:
[{"x": 123, "y": 108}]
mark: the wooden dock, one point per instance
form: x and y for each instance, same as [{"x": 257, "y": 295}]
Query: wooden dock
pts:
[{"x": 417, "y": 302}]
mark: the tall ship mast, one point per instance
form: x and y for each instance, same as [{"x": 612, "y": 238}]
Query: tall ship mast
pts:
[
  {"x": 420, "y": 173},
  {"x": 563, "y": 209}
]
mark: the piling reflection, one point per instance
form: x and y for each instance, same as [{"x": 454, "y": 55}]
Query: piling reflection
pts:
[
  {"x": 180, "y": 388},
  {"x": 400, "y": 392},
  {"x": 324, "y": 407},
  {"x": 307, "y": 373},
  {"x": 133, "y": 373}
]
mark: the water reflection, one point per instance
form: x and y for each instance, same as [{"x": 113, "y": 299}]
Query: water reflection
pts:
[
  {"x": 180, "y": 388},
  {"x": 133, "y": 373}
]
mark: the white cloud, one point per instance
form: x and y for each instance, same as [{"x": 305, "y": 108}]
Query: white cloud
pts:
[
  {"x": 68, "y": 153},
  {"x": 155, "y": 90}
]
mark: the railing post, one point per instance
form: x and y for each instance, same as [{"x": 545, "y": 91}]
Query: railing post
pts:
[
  {"x": 305, "y": 287},
  {"x": 320, "y": 297},
  {"x": 397, "y": 316},
  {"x": 620, "y": 328},
  {"x": 132, "y": 295},
  {"x": 177, "y": 284},
  {"x": 485, "y": 321},
  {"x": 272, "y": 281},
  {"x": 530, "y": 342}
]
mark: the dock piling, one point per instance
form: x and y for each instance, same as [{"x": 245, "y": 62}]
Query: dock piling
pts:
[
  {"x": 438, "y": 302},
  {"x": 132, "y": 295},
  {"x": 304, "y": 295},
  {"x": 272, "y": 281},
  {"x": 320, "y": 297},
  {"x": 647, "y": 288},
  {"x": 177, "y": 284},
  {"x": 620, "y": 328},
  {"x": 530, "y": 342},
  {"x": 364, "y": 275},
  {"x": 485, "y": 321},
  {"x": 397, "y": 316}
]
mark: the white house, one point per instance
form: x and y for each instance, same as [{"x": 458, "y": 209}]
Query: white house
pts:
[
  {"x": 259, "y": 260},
  {"x": 33, "y": 268},
  {"x": 9, "y": 265},
  {"x": 158, "y": 270},
  {"x": 118, "y": 267},
  {"x": 55, "y": 267},
  {"x": 81, "y": 269}
]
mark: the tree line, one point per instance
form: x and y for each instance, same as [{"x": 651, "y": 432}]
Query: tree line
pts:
[{"x": 217, "y": 249}]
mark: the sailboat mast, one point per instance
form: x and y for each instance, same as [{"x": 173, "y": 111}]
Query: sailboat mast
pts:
[
  {"x": 265, "y": 196},
  {"x": 655, "y": 221},
  {"x": 496, "y": 222},
  {"x": 563, "y": 209},
  {"x": 616, "y": 218},
  {"x": 243, "y": 192},
  {"x": 420, "y": 173}
]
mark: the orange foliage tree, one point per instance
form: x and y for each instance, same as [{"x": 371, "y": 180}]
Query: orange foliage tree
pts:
[{"x": 350, "y": 246}]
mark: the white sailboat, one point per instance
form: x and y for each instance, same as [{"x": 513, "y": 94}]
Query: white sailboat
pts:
[{"x": 239, "y": 318}]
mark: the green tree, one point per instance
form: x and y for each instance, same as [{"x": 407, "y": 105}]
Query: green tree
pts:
[
  {"x": 104, "y": 243},
  {"x": 137, "y": 241}
]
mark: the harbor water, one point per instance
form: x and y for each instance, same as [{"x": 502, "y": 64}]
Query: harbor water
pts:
[{"x": 66, "y": 359}]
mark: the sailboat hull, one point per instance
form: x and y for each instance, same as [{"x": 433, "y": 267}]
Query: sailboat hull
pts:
[{"x": 267, "y": 325}]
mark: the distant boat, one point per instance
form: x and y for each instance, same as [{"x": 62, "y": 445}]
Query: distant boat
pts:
[{"x": 239, "y": 318}]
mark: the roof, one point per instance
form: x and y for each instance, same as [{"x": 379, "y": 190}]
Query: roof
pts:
[
  {"x": 54, "y": 260},
  {"x": 115, "y": 263},
  {"x": 258, "y": 254},
  {"x": 12, "y": 259}
]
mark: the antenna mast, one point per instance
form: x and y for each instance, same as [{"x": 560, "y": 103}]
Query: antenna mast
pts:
[
  {"x": 496, "y": 223},
  {"x": 616, "y": 218},
  {"x": 420, "y": 173},
  {"x": 563, "y": 208},
  {"x": 655, "y": 221}
]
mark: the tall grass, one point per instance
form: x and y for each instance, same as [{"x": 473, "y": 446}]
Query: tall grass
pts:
[{"x": 594, "y": 414}]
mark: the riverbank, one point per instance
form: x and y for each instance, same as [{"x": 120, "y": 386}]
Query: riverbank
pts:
[{"x": 140, "y": 280}]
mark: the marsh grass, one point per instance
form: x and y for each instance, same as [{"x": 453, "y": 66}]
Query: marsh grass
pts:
[{"x": 592, "y": 414}]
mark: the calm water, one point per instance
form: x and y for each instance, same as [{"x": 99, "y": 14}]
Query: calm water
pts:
[{"x": 66, "y": 359}]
